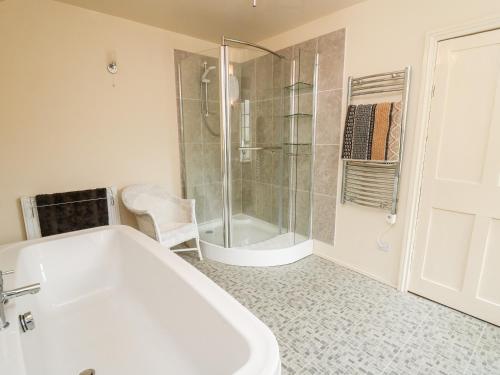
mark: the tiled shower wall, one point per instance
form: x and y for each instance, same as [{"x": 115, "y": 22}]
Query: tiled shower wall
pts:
[
  {"x": 331, "y": 69},
  {"x": 202, "y": 147},
  {"x": 257, "y": 185},
  {"x": 201, "y": 167},
  {"x": 262, "y": 84},
  {"x": 331, "y": 49}
]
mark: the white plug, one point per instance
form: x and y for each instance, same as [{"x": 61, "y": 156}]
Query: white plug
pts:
[
  {"x": 391, "y": 219},
  {"x": 382, "y": 245}
]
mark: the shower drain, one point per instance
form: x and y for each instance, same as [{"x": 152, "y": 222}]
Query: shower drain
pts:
[
  {"x": 88, "y": 371},
  {"x": 209, "y": 231}
]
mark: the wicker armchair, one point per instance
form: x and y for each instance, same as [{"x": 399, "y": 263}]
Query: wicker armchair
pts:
[{"x": 168, "y": 219}]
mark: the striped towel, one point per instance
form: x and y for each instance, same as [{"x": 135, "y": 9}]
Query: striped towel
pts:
[
  {"x": 372, "y": 132},
  {"x": 349, "y": 126}
]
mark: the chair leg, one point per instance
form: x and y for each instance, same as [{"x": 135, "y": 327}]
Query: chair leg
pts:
[{"x": 198, "y": 247}]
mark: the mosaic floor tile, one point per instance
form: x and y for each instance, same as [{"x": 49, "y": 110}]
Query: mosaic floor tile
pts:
[
  {"x": 443, "y": 344},
  {"x": 345, "y": 358},
  {"x": 305, "y": 335},
  {"x": 273, "y": 314},
  {"x": 486, "y": 358},
  {"x": 330, "y": 320}
]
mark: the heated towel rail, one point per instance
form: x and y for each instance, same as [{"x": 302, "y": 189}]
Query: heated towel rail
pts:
[
  {"x": 32, "y": 222},
  {"x": 375, "y": 183}
]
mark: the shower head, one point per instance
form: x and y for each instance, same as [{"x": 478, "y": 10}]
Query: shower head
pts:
[{"x": 204, "y": 78}]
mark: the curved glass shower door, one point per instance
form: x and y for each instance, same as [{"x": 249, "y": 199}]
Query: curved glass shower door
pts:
[
  {"x": 198, "y": 103},
  {"x": 254, "y": 117},
  {"x": 246, "y": 118}
]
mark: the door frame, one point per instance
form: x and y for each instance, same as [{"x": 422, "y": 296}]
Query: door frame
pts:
[{"x": 432, "y": 40}]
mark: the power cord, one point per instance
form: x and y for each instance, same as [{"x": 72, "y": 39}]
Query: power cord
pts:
[{"x": 383, "y": 245}]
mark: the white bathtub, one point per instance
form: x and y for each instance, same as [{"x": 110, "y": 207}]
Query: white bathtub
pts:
[{"x": 115, "y": 301}]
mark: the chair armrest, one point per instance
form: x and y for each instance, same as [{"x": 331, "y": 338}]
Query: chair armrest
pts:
[
  {"x": 147, "y": 224},
  {"x": 186, "y": 208}
]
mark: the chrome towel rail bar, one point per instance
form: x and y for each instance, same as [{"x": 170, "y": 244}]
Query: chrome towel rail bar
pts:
[{"x": 375, "y": 183}]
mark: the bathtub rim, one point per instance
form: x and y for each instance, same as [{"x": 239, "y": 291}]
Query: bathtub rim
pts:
[{"x": 264, "y": 355}]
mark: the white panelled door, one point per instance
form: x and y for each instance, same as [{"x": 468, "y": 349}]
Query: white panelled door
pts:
[{"x": 457, "y": 251}]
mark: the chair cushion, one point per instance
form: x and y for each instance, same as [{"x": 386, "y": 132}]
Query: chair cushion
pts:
[{"x": 175, "y": 233}]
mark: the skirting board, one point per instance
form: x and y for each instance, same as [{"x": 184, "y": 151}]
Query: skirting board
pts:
[{"x": 321, "y": 249}]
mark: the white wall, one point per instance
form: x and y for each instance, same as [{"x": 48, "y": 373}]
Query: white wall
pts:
[
  {"x": 63, "y": 126},
  {"x": 383, "y": 35}
]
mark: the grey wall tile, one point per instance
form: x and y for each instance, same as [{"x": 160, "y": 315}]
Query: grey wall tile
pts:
[
  {"x": 333, "y": 42},
  {"x": 247, "y": 82},
  {"x": 236, "y": 165},
  {"x": 179, "y": 55},
  {"x": 329, "y": 117},
  {"x": 306, "y": 52},
  {"x": 197, "y": 192},
  {"x": 191, "y": 70},
  {"x": 194, "y": 164},
  {"x": 235, "y": 122},
  {"x": 191, "y": 112},
  {"x": 247, "y": 197},
  {"x": 263, "y": 201},
  {"x": 324, "y": 218},
  {"x": 279, "y": 77},
  {"x": 211, "y": 163},
  {"x": 248, "y": 168},
  {"x": 264, "y": 122},
  {"x": 303, "y": 131},
  {"x": 325, "y": 169},
  {"x": 304, "y": 103},
  {"x": 236, "y": 196},
  {"x": 303, "y": 172},
  {"x": 213, "y": 76},
  {"x": 264, "y": 77},
  {"x": 302, "y": 212},
  {"x": 211, "y": 123},
  {"x": 213, "y": 201},
  {"x": 264, "y": 166},
  {"x": 278, "y": 121},
  {"x": 277, "y": 172},
  {"x": 331, "y": 60},
  {"x": 277, "y": 200}
]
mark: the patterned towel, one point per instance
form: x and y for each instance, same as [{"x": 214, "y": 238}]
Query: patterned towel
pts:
[
  {"x": 363, "y": 130},
  {"x": 372, "y": 132},
  {"x": 349, "y": 126},
  {"x": 380, "y": 131},
  {"x": 394, "y": 137}
]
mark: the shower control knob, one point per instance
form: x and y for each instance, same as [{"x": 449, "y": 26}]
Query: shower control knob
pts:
[{"x": 27, "y": 322}]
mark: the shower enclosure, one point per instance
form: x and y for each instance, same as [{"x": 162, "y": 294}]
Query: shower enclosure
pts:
[{"x": 246, "y": 122}]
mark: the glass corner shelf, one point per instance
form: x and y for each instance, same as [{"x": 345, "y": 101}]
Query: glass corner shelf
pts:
[
  {"x": 299, "y": 86},
  {"x": 298, "y": 115}
]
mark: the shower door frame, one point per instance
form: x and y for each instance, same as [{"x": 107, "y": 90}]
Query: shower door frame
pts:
[{"x": 225, "y": 131}]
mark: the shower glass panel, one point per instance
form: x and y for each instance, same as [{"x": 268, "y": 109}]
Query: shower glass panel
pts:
[
  {"x": 199, "y": 105},
  {"x": 299, "y": 140},
  {"x": 247, "y": 120},
  {"x": 256, "y": 132}
]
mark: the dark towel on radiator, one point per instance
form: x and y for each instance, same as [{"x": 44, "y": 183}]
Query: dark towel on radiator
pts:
[
  {"x": 70, "y": 211},
  {"x": 372, "y": 132}
]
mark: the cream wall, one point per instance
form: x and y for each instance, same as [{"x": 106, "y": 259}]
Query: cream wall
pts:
[
  {"x": 65, "y": 123},
  {"x": 383, "y": 35}
]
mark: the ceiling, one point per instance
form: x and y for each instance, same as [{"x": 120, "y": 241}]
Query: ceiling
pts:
[{"x": 210, "y": 19}]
